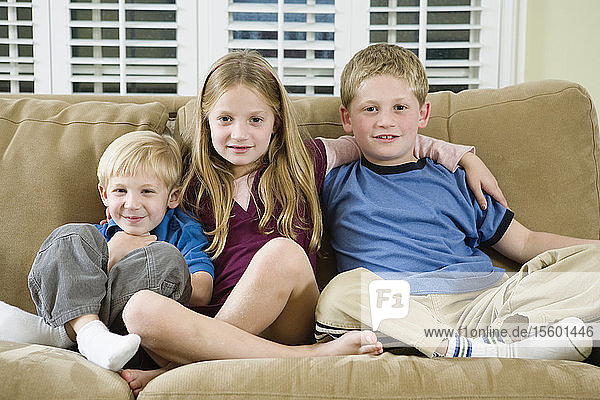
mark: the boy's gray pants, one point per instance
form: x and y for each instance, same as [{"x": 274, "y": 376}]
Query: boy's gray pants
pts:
[{"x": 69, "y": 276}]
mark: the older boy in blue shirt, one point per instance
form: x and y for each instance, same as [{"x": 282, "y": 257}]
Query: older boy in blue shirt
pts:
[
  {"x": 84, "y": 274},
  {"x": 395, "y": 217}
]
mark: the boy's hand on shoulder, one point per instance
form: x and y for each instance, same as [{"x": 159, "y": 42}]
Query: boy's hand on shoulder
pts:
[
  {"x": 123, "y": 243},
  {"x": 479, "y": 179}
]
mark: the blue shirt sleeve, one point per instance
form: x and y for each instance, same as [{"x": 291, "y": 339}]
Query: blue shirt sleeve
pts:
[
  {"x": 493, "y": 222},
  {"x": 193, "y": 251},
  {"x": 482, "y": 227},
  {"x": 192, "y": 242}
]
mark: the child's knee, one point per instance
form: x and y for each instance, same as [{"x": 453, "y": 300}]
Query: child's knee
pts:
[
  {"x": 331, "y": 297},
  {"x": 167, "y": 256},
  {"x": 335, "y": 307},
  {"x": 140, "y": 311},
  {"x": 171, "y": 270},
  {"x": 592, "y": 250},
  {"x": 285, "y": 255},
  {"x": 85, "y": 233},
  {"x": 284, "y": 246},
  {"x": 346, "y": 290}
]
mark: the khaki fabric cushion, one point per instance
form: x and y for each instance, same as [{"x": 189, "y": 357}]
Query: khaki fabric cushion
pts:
[
  {"x": 41, "y": 372},
  {"x": 50, "y": 151},
  {"x": 540, "y": 139},
  {"x": 383, "y": 377}
]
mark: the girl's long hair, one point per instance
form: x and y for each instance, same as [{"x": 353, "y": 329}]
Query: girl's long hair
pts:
[{"x": 287, "y": 187}]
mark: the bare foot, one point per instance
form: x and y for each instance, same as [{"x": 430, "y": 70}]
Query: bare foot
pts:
[
  {"x": 138, "y": 379},
  {"x": 357, "y": 342}
]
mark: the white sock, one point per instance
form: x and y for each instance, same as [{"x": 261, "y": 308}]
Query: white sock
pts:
[
  {"x": 17, "y": 325},
  {"x": 568, "y": 341},
  {"x": 104, "y": 348}
]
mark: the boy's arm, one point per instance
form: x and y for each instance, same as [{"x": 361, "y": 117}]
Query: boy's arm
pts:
[
  {"x": 192, "y": 243},
  {"x": 343, "y": 150},
  {"x": 447, "y": 154},
  {"x": 340, "y": 151},
  {"x": 202, "y": 288},
  {"x": 521, "y": 244}
]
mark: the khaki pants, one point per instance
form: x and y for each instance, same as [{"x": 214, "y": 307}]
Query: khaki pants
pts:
[{"x": 552, "y": 286}]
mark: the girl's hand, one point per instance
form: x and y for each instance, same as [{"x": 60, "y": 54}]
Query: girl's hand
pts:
[
  {"x": 479, "y": 178},
  {"x": 123, "y": 243}
]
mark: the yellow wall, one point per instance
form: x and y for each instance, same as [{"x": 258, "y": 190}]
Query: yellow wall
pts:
[{"x": 563, "y": 42}]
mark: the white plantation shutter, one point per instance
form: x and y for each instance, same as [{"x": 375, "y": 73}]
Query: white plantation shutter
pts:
[
  {"x": 296, "y": 37},
  {"x": 309, "y": 41},
  {"x": 126, "y": 47},
  {"x": 449, "y": 37},
  {"x": 166, "y": 46},
  {"x": 16, "y": 47}
]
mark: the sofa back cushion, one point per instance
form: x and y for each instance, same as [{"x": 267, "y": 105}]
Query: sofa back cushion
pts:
[
  {"x": 50, "y": 150},
  {"x": 540, "y": 139}
]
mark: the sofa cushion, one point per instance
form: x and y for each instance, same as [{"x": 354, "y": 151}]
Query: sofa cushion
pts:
[
  {"x": 384, "y": 377},
  {"x": 540, "y": 139},
  {"x": 41, "y": 372},
  {"x": 50, "y": 150}
]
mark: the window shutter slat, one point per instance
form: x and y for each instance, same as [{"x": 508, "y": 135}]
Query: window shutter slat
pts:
[
  {"x": 297, "y": 39},
  {"x": 16, "y": 47},
  {"x": 445, "y": 36},
  {"x": 124, "y": 47}
]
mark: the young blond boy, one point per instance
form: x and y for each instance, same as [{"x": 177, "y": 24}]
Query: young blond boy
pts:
[
  {"x": 84, "y": 274},
  {"x": 392, "y": 216}
]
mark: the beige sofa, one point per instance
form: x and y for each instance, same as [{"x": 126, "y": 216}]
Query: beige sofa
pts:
[{"x": 540, "y": 139}]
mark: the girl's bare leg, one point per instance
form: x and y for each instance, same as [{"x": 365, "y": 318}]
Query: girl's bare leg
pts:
[
  {"x": 181, "y": 335},
  {"x": 275, "y": 298},
  {"x": 277, "y": 295},
  {"x": 173, "y": 332}
]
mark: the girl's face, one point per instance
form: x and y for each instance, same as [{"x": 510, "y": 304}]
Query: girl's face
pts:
[{"x": 241, "y": 125}]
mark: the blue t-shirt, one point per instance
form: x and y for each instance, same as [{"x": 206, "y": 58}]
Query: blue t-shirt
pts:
[
  {"x": 183, "y": 232},
  {"x": 416, "y": 221}
]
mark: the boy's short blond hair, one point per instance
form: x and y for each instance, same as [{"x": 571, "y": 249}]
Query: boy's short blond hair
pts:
[
  {"x": 142, "y": 152},
  {"x": 383, "y": 59}
]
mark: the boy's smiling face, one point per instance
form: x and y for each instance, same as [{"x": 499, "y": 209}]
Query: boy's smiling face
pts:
[
  {"x": 385, "y": 116},
  {"x": 138, "y": 203}
]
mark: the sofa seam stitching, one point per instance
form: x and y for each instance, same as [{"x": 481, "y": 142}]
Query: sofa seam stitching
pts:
[
  {"x": 77, "y": 122},
  {"x": 554, "y": 93}
]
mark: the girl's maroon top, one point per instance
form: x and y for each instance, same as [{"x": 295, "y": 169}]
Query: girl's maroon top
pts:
[{"x": 244, "y": 238}]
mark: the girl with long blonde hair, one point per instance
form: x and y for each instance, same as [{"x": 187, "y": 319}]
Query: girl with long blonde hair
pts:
[{"x": 254, "y": 182}]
